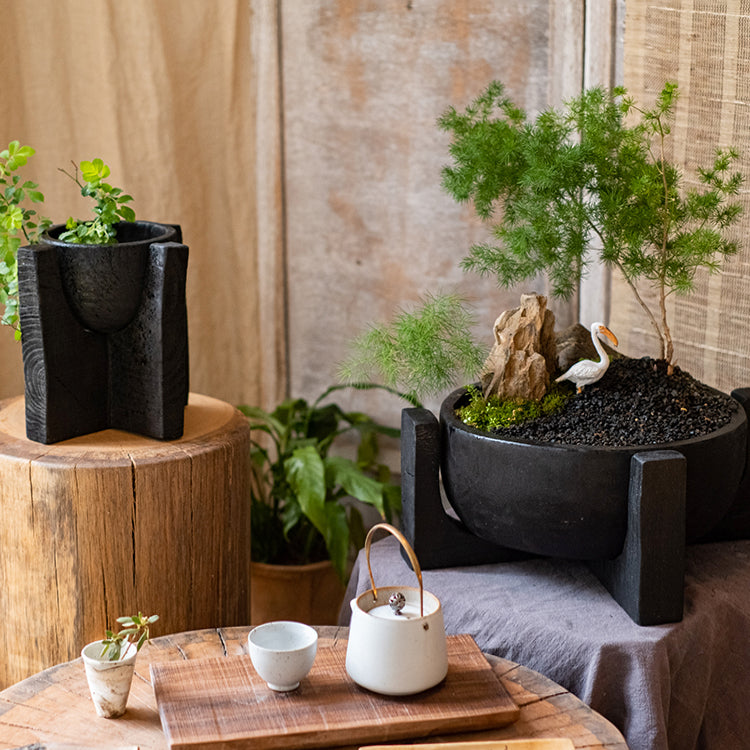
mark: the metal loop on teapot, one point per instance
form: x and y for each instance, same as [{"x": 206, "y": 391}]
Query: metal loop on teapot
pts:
[{"x": 409, "y": 551}]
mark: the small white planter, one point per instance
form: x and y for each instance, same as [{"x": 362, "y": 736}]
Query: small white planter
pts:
[{"x": 109, "y": 681}]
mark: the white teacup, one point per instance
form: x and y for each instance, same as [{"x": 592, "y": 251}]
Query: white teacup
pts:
[{"x": 282, "y": 652}]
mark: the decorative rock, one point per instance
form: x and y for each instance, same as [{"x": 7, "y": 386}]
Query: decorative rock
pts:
[{"x": 524, "y": 355}]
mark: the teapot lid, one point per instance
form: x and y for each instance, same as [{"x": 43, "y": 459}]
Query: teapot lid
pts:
[
  {"x": 397, "y": 603},
  {"x": 386, "y": 612}
]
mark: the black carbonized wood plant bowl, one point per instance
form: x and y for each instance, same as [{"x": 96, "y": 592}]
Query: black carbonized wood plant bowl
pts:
[
  {"x": 103, "y": 284},
  {"x": 104, "y": 334},
  {"x": 571, "y": 501}
]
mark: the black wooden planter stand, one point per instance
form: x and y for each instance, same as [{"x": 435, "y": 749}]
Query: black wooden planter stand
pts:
[
  {"x": 646, "y": 579},
  {"x": 79, "y": 380}
]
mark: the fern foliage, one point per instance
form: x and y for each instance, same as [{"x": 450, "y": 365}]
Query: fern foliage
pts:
[
  {"x": 423, "y": 351},
  {"x": 593, "y": 174}
]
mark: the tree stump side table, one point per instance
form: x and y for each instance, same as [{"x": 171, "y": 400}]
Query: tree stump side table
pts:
[{"x": 102, "y": 525}]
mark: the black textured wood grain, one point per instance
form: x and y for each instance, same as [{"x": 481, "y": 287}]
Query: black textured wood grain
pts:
[
  {"x": 647, "y": 578},
  {"x": 110, "y": 350},
  {"x": 65, "y": 366}
]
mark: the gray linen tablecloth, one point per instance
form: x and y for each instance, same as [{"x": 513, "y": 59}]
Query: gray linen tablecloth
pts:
[{"x": 684, "y": 686}]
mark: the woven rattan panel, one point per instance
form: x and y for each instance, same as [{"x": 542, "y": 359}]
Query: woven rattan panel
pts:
[{"x": 703, "y": 45}]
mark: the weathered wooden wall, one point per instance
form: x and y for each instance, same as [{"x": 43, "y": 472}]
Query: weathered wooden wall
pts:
[{"x": 368, "y": 228}]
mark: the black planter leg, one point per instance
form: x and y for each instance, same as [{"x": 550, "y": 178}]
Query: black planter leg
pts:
[
  {"x": 438, "y": 540},
  {"x": 647, "y": 579},
  {"x": 65, "y": 366},
  {"x": 736, "y": 523},
  {"x": 149, "y": 358}
]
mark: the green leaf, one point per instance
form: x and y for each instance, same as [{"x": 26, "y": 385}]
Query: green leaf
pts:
[
  {"x": 93, "y": 171},
  {"x": 126, "y": 213},
  {"x": 345, "y": 473},
  {"x": 13, "y": 218},
  {"x": 337, "y": 537},
  {"x": 260, "y": 417},
  {"x": 305, "y": 473},
  {"x": 367, "y": 450}
]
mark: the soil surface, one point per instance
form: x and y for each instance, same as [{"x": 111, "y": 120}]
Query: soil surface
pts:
[{"x": 635, "y": 403}]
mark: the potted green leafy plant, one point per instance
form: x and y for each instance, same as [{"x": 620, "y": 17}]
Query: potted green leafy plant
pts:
[
  {"x": 591, "y": 181},
  {"x": 110, "y": 663},
  {"x": 304, "y": 522},
  {"x": 92, "y": 298},
  {"x": 103, "y": 260},
  {"x": 19, "y": 223}
]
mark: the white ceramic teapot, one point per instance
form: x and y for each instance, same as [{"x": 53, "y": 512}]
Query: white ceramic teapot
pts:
[{"x": 397, "y": 642}]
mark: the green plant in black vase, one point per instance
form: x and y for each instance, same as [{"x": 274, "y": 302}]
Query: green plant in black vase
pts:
[
  {"x": 111, "y": 206},
  {"x": 20, "y": 223},
  {"x": 300, "y": 486}
]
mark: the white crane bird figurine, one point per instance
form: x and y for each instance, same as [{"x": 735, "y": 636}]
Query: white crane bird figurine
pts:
[{"x": 588, "y": 371}]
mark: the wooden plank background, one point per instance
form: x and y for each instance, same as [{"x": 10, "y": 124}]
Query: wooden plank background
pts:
[
  {"x": 368, "y": 228},
  {"x": 295, "y": 142}
]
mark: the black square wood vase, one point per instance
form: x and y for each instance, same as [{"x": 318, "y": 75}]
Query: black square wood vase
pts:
[{"x": 104, "y": 334}]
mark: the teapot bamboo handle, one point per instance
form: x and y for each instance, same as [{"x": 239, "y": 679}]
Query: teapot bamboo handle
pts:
[{"x": 409, "y": 551}]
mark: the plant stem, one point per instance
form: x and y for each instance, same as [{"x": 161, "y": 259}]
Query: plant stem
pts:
[
  {"x": 67, "y": 174},
  {"x": 667, "y": 346},
  {"x": 645, "y": 308},
  {"x": 634, "y": 289}
]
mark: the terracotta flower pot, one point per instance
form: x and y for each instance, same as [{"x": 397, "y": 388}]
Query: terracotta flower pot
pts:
[{"x": 311, "y": 594}]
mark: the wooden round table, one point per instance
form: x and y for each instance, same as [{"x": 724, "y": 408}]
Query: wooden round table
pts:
[{"x": 54, "y": 706}]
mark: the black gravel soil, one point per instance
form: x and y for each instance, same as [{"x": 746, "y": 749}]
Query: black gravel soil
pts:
[{"x": 635, "y": 403}]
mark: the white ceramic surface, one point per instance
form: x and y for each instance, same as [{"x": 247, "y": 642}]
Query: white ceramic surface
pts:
[
  {"x": 282, "y": 652},
  {"x": 396, "y": 654},
  {"x": 109, "y": 681}
]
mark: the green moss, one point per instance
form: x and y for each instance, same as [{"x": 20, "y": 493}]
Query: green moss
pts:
[{"x": 494, "y": 413}]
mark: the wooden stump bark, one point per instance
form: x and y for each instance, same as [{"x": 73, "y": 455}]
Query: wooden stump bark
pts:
[{"x": 105, "y": 524}]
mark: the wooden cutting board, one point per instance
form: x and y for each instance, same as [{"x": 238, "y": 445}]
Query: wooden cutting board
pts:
[{"x": 205, "y": 704}]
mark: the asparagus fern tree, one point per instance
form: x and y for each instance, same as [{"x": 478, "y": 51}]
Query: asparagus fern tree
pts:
[
  {"x": 586, "y": 177},
  {"x": 592, "y": 180}
]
